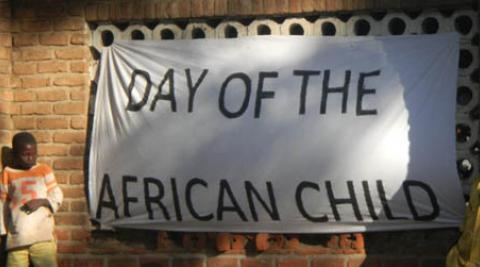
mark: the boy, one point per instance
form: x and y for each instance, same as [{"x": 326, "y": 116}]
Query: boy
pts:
[{"x": 29, "y": 196}]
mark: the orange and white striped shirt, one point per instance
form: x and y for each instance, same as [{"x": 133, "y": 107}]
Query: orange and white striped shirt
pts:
[{"x": 17, "y": 187}]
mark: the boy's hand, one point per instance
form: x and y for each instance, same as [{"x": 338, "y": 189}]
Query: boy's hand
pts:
[{"x": 34, "y": 204}]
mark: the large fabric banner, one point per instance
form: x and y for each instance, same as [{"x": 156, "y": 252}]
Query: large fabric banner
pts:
[{"x": 277, "y": 134}]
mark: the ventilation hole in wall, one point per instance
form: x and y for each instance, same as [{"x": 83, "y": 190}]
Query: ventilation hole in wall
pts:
[
  {"x": 463, "y": 132},
  {"x": 475, "y": 40},
  {"x": 475, "y": 113},
  {"x": 413, "y": 14},
  {"x": 396, "y": 26},
  {"x": 463, "y": 24},
  {"x": 137, "y": 35},
  {"x": 361, "y": 27},
  {"x": 328, "y": 29},
  {"x": 107, "y": 38},
  {"x": 263, "y": 30},
  {"x": 464, "y": 95},
  {"x": 464, "y": 168},
  {"x": 475, "y": 149},
  {"x": 198, "y": 33},
  {"x": 378, "y": 16},
  {"x": 474, "y": 76},
  {"x": 296, "y": 29},
  {"x": 167, "y": 34},
  {"x": 466, "y": 59},
  {"x": 231, "y": 32},
  {"x": 430, "y": 25}
]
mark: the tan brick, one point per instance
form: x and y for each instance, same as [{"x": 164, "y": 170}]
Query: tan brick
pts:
[
  {"x": 5, "y": 81},
  {"x": 6, "y": 95},
  {"x": 35, "y": 54},
  {"x": 77, "y": 150},
  {"x": 69, "y": 24},
  {"x": 71, "y": 219},
  {"x": 78, "y": 95},
  {"x": 5, "y": 137},
  {"x": 52, "y": 66},
  {"x": 78, "y": 39},
  {"x": 78, "y": 123},
  {"x": 36, "y": 26},
  {"x": 57, "y": 39},
  {"x": 5, "y": 107},
  {"x": 70, "y": 81},
  {"x": 71, "y": 53},
  {"x": 73, "y": 192},
  {"x": 35, "y": 109},
  {"x": 5, "y": 53},
  {"x": 42, "y": 136},
  {"x": 68, "y": 163},
  {"x": 78, "y": 137},
  {"x": 52, "y": 123},
  {"x": 24, "y": 68},
  {"x": 91, "y": 12},
  {"x": 34, "y": 82},
  {"x": 23, "y": 95},
  {"x": 51, "y": 95},
  {"x": 52, "y": 150},
  {"x": 6, "y": 122},
  {"x": 23, "y": 122},
  {"x": 222, "y": 262},
  {"x": 62, "y": 176},
  {"x": 70, "y": 108},
  {"x": 79, "y": 67},
  {"x": 77, "y": 177},
  {"x": 78, "y": 206},
  {"x": 6, "y": 39},
  {"x": 5, "y": 67},
  {"x": 5, "y": 25},
  {"x": 25, "y": 39}
]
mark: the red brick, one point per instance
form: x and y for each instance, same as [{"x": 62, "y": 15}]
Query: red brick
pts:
[
  {"x": 80, "y": 234},
  {"x": 69, "y": 24},
  {"x": 6, "y": 122},
  {"x": 68, "y": 164},
  {"x": 71, "y": 248},
  {"x": 70, "y": 108},
  {"x": 87, "y": 263},
  {"x": 34, "y": 82},
  {"x": 75, "y": 9},
  {"x": 70, "y": 137},
  {"x": 77, "y": 150},
  {"x": 35, "y": 25},
  {"x": 188, "y": 262},
  {"x": 62, "y": 234},
  {"x": 52, "y": 123},
  {"x": 77, "y": 177},
  {"x": 252, "y": 262},
  {"x": 5, "y": 53},
  {"x": 79, "y": 67},
  {"x": 6, "y": 39},
  {"x": 222, "y": 262},
  {"x": 64, "y": 262},
  {"x": 91, "y": 12},
  {"x": 42, "y": 136},
  {"x": 52, "y": 67},
  {"x": 364, "y": 262},
  {"x": 290, "y": 262},
  {"x": 5, "y": 137},
  {"x": 71, "y": 53},
  {"x": 24, "y": 68},
  {"x": 78, "y": 206},
  {"x": 22, "y": 96},
  {"x": 123, "y": 262},
  {"x": 70, "y": 81},
  {"x": 24, "y": 12},
  {"x": 78, "y": 95},
  {"x": 5, "y": 25},
  {"x": 23, "y": 39},
  {"x": 50, "y": 11},
  {"x": 61, "y": 177},
  {"x": 71, "y": 219},
  {"x": 104, "y": 11},
  {"x": 52, "y": 150},
  {"x": 5, "y": 68},
  {"x": 57, "y": 39},
  {"x": 330, "y": 262},
  {"x": 51, "y": 95},
  {"x": 23, "y": 123},
  {"x": 35, "y": 54},
  {"x": 221, "y": 7},
  {"x": 78, "y": 123},
  {"x": 35, "y": 109},
  {"x": 149, "y": 10},
  {"x": 78, "y": 39}
]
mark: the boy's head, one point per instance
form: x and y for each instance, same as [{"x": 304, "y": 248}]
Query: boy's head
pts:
[{"x": 24, "y": 147}]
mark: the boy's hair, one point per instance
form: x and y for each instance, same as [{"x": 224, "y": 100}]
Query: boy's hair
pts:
[{"x": 22, "y": 138}]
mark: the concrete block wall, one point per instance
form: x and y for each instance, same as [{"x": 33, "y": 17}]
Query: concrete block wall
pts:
[{"x": 46, "y": 67}]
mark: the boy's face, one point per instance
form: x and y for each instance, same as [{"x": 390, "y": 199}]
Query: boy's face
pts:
[{"x": 26, "y": 156}]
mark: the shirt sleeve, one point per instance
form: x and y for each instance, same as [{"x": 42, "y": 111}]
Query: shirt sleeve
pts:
[
  {"x": 54, "y": 193},
  {"x": 3, "y": 203}
]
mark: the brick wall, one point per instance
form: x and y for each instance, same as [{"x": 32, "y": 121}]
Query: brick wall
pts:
[{"x": 45, "y": 59}]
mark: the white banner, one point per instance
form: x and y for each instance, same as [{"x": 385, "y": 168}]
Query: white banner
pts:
[{"x": 277, "y": 134}]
